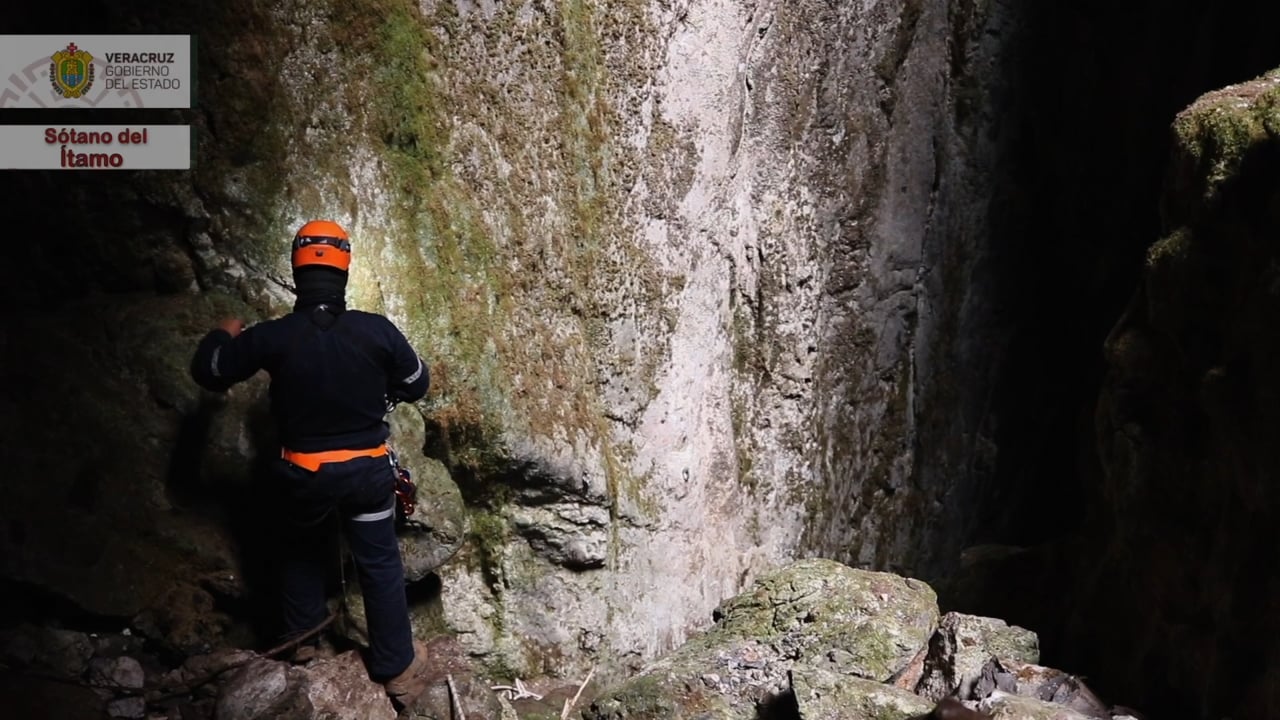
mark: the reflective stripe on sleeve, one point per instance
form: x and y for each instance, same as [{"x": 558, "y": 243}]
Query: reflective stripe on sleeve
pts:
[
  {"x": 214, "y": 363},
  {"x": 416, "y": 374}
]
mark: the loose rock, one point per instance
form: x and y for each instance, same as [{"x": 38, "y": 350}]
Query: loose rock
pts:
[
  {"x": 961, "y": 648},
  {"x": 253, "y": 691},
  {"x": 1042, "y": 683},
  {"x": 63, "y": 653},
  {"x": 340, "y": 689},
  {"x": 120, "y": 672},
  {"x": 814, "y": 619},
  {"x": 133, "y": 707}
]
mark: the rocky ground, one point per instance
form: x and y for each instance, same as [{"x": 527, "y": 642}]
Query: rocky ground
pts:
[{"x": 815, "y": 640}]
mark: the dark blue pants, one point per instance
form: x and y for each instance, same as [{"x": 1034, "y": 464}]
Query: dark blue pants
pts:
[{"x": 361, "y": 494}]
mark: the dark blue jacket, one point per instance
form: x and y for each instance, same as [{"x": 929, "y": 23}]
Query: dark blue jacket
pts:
[{"x": 330, "y": 374}]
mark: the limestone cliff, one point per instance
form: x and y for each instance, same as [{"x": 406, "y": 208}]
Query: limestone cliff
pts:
[{"x": 690, "y": 276}]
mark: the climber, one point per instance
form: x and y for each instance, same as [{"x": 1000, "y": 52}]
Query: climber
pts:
[{"x": 332, "y": 371}]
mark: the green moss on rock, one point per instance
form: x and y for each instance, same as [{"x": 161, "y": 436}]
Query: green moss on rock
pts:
[
  {"x": 815, "y": 618},
  {"x": 867, "y": 624},
  {"x": 821, "y": 694},
  {"x": 1214, "y": 135}
]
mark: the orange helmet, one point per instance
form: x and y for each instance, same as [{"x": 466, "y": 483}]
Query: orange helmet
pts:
[{"x": 321, "y": 242}]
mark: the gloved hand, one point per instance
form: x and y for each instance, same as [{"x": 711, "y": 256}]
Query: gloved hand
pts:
[{"x": 397, "y": 395}]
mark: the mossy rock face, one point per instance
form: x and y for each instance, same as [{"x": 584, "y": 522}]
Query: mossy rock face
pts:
[
  {"x": 556, "y": 213},
  {"x": 867, "y": 624},
  {"x": 816, "y": 619},
  {"x": 1213, "y": 136},
  {"x": 436, "y": 530},
  {"x": 824, "y": 695},
  {"x": 666, "y": 695}
]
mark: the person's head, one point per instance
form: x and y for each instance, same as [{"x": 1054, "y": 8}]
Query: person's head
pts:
[{"x": 321, "y": 258}]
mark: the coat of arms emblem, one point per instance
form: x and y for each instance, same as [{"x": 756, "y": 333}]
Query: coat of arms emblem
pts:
[{"x": 71, "y": 72}]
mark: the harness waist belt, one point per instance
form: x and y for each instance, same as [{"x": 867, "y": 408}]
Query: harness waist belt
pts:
[{"x": 313, "y": 460}]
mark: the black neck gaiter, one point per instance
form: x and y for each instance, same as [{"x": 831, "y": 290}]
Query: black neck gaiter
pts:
[{"x": 320, "y": 286}]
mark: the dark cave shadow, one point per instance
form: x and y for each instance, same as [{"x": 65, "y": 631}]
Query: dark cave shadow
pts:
[
  {"x": 255, "y": 515},
  {"x": 782, "y": 706},
  {"x": 249, "y": 507},
  {"x": 425, "y": 591},
  {"x": 182, "y": 478}
]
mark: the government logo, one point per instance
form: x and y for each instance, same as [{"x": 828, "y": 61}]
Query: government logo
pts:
[{"x": 71, "y": 72}]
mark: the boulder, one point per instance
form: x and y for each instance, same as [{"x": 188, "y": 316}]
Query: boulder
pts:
[
  {"x": 852, "y": 622},
  {"x": 119, "y": 672},
  {"x": 824, "y": 695},
  {"x": 961, "y": 648},
  {"x": 822, "y": 622},
  {"x": 199, "y": 669},
  {"x": 253, "y": 691},
  {"x": 63, "y": 653},
  {"x": 340, "y": 689},
  {"x": 132, "y": 708},
  {"x": 1039, "y": 682},
  {"x": 336, "y": 689}
]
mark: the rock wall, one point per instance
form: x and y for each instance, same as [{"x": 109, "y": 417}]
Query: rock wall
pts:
[
  {"x": 690, "y": 276},
  {"x": 1185, "y": 421}
]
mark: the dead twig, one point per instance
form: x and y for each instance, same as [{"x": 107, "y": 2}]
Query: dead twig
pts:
[
  {"x": 454, "y": 699},
  {"x": 190, "y": 686},
  {"x": 303, "y": 637},
  {"x": 568, "y": 704},
  {"x": 517, "y": 691}
]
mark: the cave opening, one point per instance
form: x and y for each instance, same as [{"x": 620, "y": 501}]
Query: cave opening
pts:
[
  {"x": 1099, "y": 85},
  {"x": 1095, "y": 89}
]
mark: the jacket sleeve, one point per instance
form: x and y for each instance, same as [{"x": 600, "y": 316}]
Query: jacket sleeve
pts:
[
  {"x": 407, "y": 377},
  {"x": 221, "y": 361}
]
